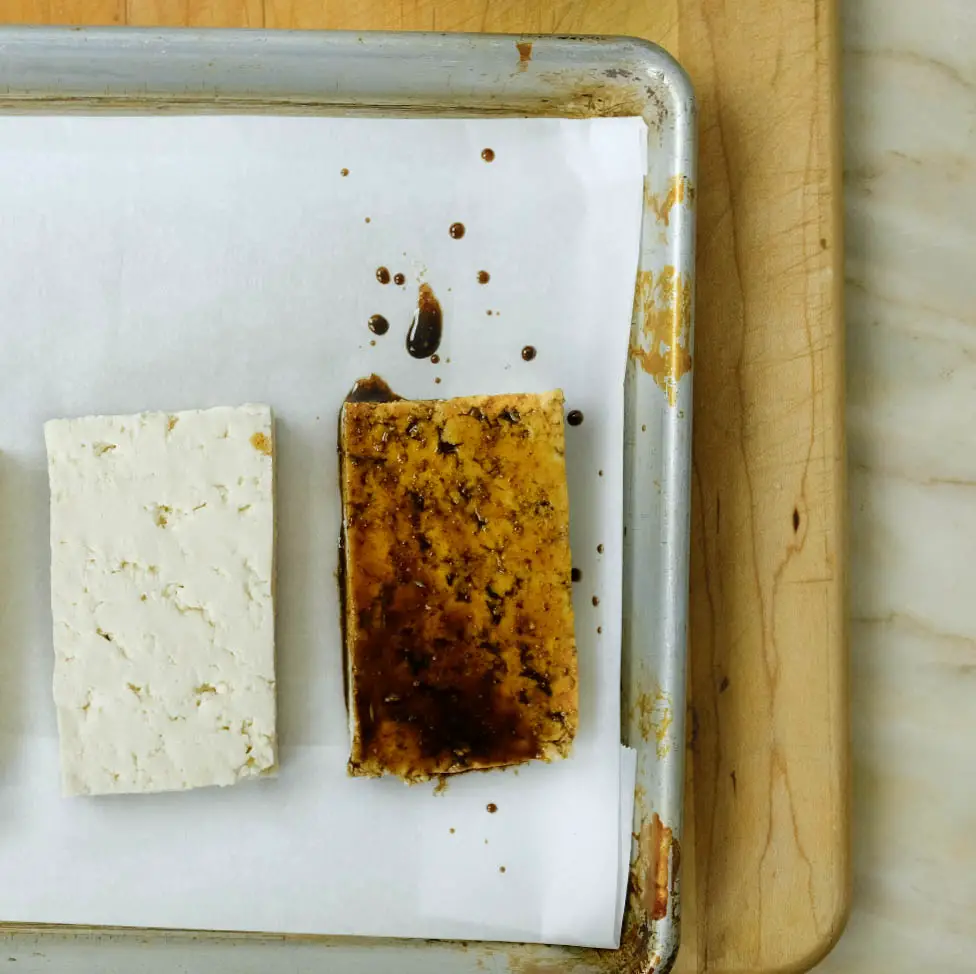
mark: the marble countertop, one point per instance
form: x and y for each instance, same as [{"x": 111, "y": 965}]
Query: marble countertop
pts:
[{"x": 909, "y": 92}]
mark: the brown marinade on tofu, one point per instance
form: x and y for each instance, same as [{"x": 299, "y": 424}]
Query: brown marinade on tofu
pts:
[{"x": 458, "y": 611}]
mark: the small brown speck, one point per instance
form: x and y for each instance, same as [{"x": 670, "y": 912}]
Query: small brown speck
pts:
[
  {"x": 599, "y": 629},
  {"x": 382, "y": 275},
  {"x": 262, "y": 443},
  {"x": 343, "y": 172},
  {"x": 576, "y": 575},
  {"x": 483, "y": 277},
  {"x": 796, "y": 520},
  {"x": 599, "y": 473},
  {"x": 574, "y": 417},
  {"x": 489, "y": 312},
  {"x": 596, "y": 599},
  {"x": 399, "y": 279},
  {"x": 599, "y": 549},
  {"x": 435, "y": 359},
  {"x": 643, "y": 427},
  {"x": 437, "y": 380},
  {"x": 372, "y": 342},
  {"x": 492, "y": 808},
  {"x": 823, "y": 243},
  {"x": 528, "y": 353},
  {"x": 456, "y": 230},
  {"x": 451, "y": 831},
  {"x": 488, "y": 155},
  {"x": 501, "y": 869}
]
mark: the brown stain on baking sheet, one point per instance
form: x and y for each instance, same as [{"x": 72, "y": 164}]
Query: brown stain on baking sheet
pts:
[
  {"x": 519, "y": 965},
  {"x": 679, "y": 192},
  {"x": 649, "y": 898},
  {"x": 262, "y": 443},
  {"x": 655, "y": 851},
  {"x": 662, "y": 311},
  {"x": 570, "y": 99},
  {"x": 524, "y": 49},
  {"x": 654, "y": 715}
]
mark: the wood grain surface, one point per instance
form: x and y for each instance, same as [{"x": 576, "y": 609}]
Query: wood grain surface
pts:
[{"x": 766, "y": 853}]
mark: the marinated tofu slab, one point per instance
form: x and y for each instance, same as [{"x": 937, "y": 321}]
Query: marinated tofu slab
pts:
[
  {"x": 458, "y": 612},
  {"x": 162, "y": 545}
]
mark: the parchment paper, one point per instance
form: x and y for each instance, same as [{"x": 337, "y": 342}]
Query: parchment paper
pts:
[{"x": 174, "y": 263}]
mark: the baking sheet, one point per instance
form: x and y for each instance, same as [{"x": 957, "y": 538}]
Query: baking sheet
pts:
[{"x": 185, "y": 262}]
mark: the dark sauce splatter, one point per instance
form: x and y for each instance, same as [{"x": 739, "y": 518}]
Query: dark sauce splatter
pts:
[
  {"x": 435, "y": 359},
  {"x": 488, "y": 155},
  {"x": 378, "y": 325},
  {"x": 599, "y": 549},
  {"x": 574, "y": 417},
  {"x": 483, "y": 277},
  {"x": 372, "y": 389},
  {"x": 456, "y": 230},
  {"x": 576, "y": 575},
  {"x": 596, "y": 599},
  {"x": 399, "y": 279},
  {"x": 427, "y": 327},
  {"x": 492, "y": 808},
  {"x": 343, "y": 172},
  {"x": 528, "y": 353},
  {"x": 382, "y": 275}
]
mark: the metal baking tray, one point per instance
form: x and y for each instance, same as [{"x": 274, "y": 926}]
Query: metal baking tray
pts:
[{"x": 55, "y": 70}]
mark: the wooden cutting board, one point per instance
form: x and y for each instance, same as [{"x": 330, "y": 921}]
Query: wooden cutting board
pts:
[{"x": 766, "y": 852}]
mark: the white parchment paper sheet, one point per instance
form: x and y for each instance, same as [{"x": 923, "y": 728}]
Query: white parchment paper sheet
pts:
[{"x": 174, "y": 263}]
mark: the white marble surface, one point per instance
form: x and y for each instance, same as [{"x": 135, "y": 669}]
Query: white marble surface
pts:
[{"x": 910, "y": 198}]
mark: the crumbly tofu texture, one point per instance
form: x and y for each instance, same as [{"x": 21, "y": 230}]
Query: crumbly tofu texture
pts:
[
  {"x": 162, "y": 540},
  {"x": 458, "y": 608}
]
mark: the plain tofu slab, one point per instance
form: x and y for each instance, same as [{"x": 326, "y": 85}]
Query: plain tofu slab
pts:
[{"x": 162, "y": 561}]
